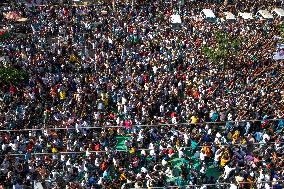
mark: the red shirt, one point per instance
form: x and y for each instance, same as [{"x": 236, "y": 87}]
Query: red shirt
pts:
[
  {"x": 97, "y": 147},
  {"x": 171, "y": 151},
  {"x": 13, "y": 90},
  {"x": 103, "y": 166},
  {"x": 65, "y": 12},
  {"x": 145, "y": 77},
  {"x": 196, "y": 94}
]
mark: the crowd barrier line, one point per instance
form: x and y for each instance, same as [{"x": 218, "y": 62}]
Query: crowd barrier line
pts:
[{"x": 142, "y": 125}]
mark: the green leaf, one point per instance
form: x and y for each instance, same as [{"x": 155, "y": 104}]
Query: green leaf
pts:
[{"x": 13, "y": 75}]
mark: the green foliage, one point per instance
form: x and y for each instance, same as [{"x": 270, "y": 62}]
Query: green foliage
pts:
[
  {"x": 225, "y": 47},
  {"x": 12, "y": 75},
  {"x": 281, "y": 29}
]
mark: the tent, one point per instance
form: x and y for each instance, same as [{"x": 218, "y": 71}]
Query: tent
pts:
[
  {"x": 229, "y": 16},
  {"x": 264, "y": 14},
  {"x": 246, "y": 15},
  {"x": 207, "y": 14},
  {"x": 278, "y": 12}
]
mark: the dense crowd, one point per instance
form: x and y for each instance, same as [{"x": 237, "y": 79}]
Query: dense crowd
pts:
[{"x": 98, "y": 72}]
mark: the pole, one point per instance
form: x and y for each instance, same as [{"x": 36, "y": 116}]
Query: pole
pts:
[{"x": 179, "y": 6}]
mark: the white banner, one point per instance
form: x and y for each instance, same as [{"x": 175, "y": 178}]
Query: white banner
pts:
[{"x": 279, "y": 54}]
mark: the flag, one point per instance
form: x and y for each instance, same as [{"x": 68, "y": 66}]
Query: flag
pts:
[{"x": 4, "y": 34}]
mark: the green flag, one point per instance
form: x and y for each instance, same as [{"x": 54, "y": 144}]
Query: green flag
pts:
[{"x": 4, "y": 34}]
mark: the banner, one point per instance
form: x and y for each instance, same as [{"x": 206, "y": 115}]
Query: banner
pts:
[{"x": 279, "y": 54}]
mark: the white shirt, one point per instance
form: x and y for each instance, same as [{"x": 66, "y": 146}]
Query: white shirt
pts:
[
  {"x": 179, "y": 85},
  {"x": 143, "y": 170},
  {"x": 13, "y": 146},
  {"x": 152, "y": 153},
  {"x": 140, "y": 137},
  {"x": 265, "y": 136},
  {"x": 17, "y": 186},
  {"x": 202, "y": 156},
  {"x": 62, "y": 157},
  {"x": 151, "y": 146},
  {"x": 203, "y": 170},
  {"x": 162, "y": 108},
  {"x": 4, "y": 146},
  {"x": 186, "y": 137},
  {"x": 232, "y": 186},
  {"x": 155, "y": 69},
  {"x": 143, "y": 152},
  {"x": 180, "y": 154},
  {"x": 217, "y": 155},
  {"x": 174, "y": 120},
  {"x": 68, "y": 162},
  {"x": 227, "y": 171},
  {"x": 164, "y": 162},
  {"x": 123, "y": 100}
]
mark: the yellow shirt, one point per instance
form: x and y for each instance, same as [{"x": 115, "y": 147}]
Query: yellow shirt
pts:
[
  {"x": 62, "y": 95},
  {"x": 244, "y": 141},
  {"x": 106, "y": 101},
  {"x": 54, "y": 150},
  {"x": 122, "y": 176},
  {"x": 73, "y": 58},
  {"x": 224, "y": 161},
  {"x": 235, "y": 136},
  {"x": 132, "y": 150},
  {"x": 207, "y": 151},
  {"x": 194, "y": 119}
]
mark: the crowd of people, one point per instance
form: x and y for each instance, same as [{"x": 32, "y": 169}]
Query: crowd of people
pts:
[{"x": 101, "y": 71}]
